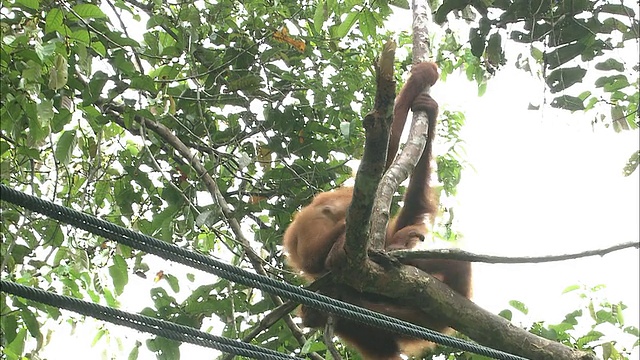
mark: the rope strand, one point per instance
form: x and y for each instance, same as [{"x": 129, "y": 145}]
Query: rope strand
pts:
[{"x": 171, "y": 252}]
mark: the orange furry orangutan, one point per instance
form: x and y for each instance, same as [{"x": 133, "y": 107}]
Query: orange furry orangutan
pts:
[{"x": 317, "y": 235}]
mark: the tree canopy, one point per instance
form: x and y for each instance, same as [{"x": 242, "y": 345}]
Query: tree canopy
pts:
[{"x": 209, "y": 124}]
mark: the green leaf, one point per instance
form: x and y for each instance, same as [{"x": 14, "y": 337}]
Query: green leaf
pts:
[
  {"x": 98, "y": 47},
  {"x": 368, "y": 24},
  {"x": 477, "y": 40},
  {"x": 632, "y": 330},
  {"x": 617, "y": 9},
  {"x": 612, "y": 83},
  {"x": 246, "y": 83},
  {"x": 166, "y": 349},
  {"x": 93, "y": 92},
  {"x": 58, "y": 73},
  {"x": 520, "y": 306},
  {"x": 402, "y": 4},
  {"x": 536, "y": 53},
  {"x": 45, "y": 50},
  {"x": 123, "y": 62},
  {"x": 588, "y": 338},
  {"x": 520, "y": 36},
  {"x": 16, "y": 347},
  {"x": 208, "y": 217},
  {"x": 60, "y": 119},
  {"x": 19, "y": 252},
  {"x": 53, "y": 21},
  {"x": 494, "y": 52},
  {"x": 592, "y": 311},
  {"x": 99, "y": 335},
  {"x": 65, "y": 146},
  {"x": 562, "y": 79},
  {"x": 506, "y": 314},
  {"x": 37, "y": 130},
  {"x": 312, "y": 344},
  {"x": 31, "y": 4},
  {"x": 109, "y": 298},
  {"x": 591, "y": 103},
  {"x": 133, "y": 354},
  {"x": 617, "y": 312},
  {"x": 81, "y": 36},
  {"x": 61, "y": 254},
  {"x": 342, "y": 30},
  {"x": 618, "y": 119},
  {"x": 119, "y": 273},
  {"x": 173, "y": 282},
  {"x": 584, "y": 95},
  {"x": 32, "y": 72},
  {"x": 448, "y": 6},
  {"x": 45, "y": 112},
  {"x": 30, "y": 320},
  {"x": 89, "y": 11},
  {"x": 84, "y": 59},
  {"x": 9, "y": 325},
  {"x": 568, "y": 102},
  {"x": 610, "y": 64},
  {"x": 617, "y": 84},
  {"x": 482, "y": 88},
  {"x": 345, "y": 128},
  {"x": 319, "y": 16},
  {"x": 632, "y": 164},
  {"x": 143, "y": 82},
  {"x": 571, "y": 288},
  {"x": 563, "y": 54},
  {"x": 157, "y": 20}
]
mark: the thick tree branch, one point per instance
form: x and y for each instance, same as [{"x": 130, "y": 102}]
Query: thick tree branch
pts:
[
  {"x": 399, "y": 170},
  {"x": 376, "y": 125},
  {"x": 457, "y": 254},
  {"x": 420, "y": 28},
  {"x": 406, "y": 161},
  {"x": 421, "y": 290}
]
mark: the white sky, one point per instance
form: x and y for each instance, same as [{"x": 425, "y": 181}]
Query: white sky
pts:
[{"x": 545, "y": 182}]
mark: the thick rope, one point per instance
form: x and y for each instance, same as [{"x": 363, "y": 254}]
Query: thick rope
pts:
[
  {"x": 240, "y": 276},
  {"x": 144, "y": 323}
]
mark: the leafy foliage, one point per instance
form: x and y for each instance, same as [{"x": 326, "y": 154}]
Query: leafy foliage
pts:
[
  {"x": 558, "y": 33},
  {"x": 97, "y": 97},
  {"x": 597, "y": 325},
  {"x": 595, "y": 329},
  {"x": 560, "y": 36}
]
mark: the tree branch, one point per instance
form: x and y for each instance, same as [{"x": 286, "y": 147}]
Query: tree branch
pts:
[
  {"x": 328, "y": 338},
  {"x": 404, "y": 164},
  {"x": 376, "y": 125},
  {"x": 457, "y": 254},
  {"x": 419, "y": 289}
]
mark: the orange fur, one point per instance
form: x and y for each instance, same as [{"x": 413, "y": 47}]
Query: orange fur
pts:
[
  {"x": 422, "y": 74},
  {"x": 317, "y": 232}
]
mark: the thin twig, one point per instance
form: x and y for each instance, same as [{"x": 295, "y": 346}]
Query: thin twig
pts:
[{"x": 328, "y": 338}]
